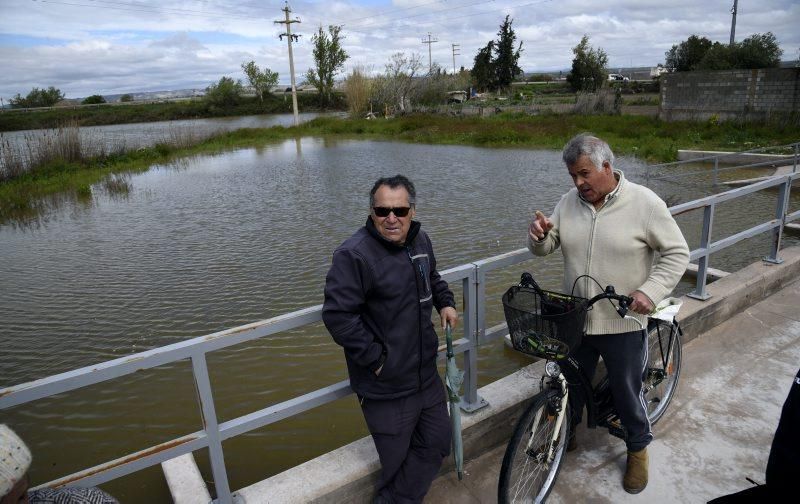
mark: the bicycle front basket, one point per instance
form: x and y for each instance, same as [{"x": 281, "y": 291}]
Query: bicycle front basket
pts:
[{"x": 548, "y": 325}]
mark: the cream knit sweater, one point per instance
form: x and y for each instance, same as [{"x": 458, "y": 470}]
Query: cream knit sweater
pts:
[{"x": 616, "y": 245}]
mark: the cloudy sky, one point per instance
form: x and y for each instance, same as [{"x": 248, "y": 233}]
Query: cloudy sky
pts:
[{"x": 86, "y": 47}]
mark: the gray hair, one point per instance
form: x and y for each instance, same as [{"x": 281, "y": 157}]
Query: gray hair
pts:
[
  {"x": 394, "y": 183},
  {"x": 587, "y": 145}
]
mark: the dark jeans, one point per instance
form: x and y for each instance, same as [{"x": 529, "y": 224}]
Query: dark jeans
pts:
[
  {"x": 412, "y": 435},
  {"x": 625, "y": 357}
]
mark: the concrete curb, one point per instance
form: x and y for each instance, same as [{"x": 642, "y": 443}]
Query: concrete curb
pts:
[{"x": 348, "y": 474}]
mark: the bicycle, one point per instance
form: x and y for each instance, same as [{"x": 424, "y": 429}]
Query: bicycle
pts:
[{"x": 549, "y": 325}]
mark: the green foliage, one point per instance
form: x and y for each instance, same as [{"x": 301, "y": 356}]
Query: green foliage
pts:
[
  {"x": 687, "y": 55},
  {"x": 260, "y": 81},
  {"x": 718, "y": 57},
  {"x": 226, "y": 93},
  {"x": 588, "y": 67},
  {"x": 497, "y": 63},
  {"x": 483, "y": 75},
  {"x": 759, "y": 51},
  {"x": 506, "y": 58},
  {"x": 93, "y": 100},
  {"x": 698, "y": 53},
  {"x": 38, "y": 98},
  {"x": 126, "y": 98},
  {"x": 329, "y": 58}
]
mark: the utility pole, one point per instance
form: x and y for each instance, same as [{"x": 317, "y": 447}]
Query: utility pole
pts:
[
  {"x": 429, "y": 42},
  {"x": 290, "y": 37},
  {"x": 733, "y": 21},
  {"x": 455, "y": 53}
]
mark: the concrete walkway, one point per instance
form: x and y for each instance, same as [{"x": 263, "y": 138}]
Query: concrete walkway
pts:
[{"x": 716, "y": 433}]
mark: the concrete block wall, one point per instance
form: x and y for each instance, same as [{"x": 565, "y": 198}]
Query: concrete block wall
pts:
[{"x": 760, "y": 94}]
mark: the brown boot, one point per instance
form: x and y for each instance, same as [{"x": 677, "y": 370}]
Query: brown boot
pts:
[{"x": 636, "y": 472}]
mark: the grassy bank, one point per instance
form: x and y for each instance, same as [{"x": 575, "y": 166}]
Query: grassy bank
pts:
[
  {"x": 21, "y": 197},
  {"x": 15, "y": 120},
  {"x": 644, "y": 137}
]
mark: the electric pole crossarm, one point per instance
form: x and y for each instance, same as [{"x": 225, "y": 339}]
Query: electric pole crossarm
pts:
[{"x": 429, "y": 42}]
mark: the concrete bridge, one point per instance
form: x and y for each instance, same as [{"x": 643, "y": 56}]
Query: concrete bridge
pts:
[
  {"x": 717, "y": 432},
  {"x": 742, "y": 351}
]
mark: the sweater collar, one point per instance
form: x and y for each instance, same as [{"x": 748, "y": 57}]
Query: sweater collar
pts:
[
  {"x": 412, "y": 233},
  {"x": 613, "y": 194}
]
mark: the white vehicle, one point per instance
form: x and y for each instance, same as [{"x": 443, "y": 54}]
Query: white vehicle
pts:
[{"x": 617, "y": 77}]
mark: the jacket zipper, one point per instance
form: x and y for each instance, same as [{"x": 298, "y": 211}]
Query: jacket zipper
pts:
[
  {"x": 589, "y": 253},
  {"x": 419, "y": 320}
]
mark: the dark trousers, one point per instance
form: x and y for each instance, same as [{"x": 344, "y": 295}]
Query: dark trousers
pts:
[
  {"x": 412, "y": 435},
  {"x": 625, "y": 357}
]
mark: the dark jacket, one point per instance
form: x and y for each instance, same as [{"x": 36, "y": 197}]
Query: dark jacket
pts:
[{"x": 379, "y": 298}]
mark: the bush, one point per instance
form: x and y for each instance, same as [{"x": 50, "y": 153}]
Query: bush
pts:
[
  {"x": 93, "y": 100},
  {"x": 225, "y": 93},
  {"x": 38, "y": 98},
  {"x": 357, "y": 90},
  {"x": 126, "y": 98}
]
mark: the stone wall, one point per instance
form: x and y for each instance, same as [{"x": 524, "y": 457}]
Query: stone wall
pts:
[{"x": 768, "y": 93}]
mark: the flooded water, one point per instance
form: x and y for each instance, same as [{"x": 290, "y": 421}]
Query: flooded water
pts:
[
  {"x": 217, "y": 241},
  {"x": 118, "y": 137}
]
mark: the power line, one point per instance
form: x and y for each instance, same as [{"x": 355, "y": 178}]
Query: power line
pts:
[
  {"x": 370, "y": 29},
  {"x": 367, "y": 25},
  {"x": 135, "y": 8}
]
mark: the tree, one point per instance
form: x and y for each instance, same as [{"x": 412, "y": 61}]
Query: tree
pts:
[
  {"x": 506, "y": 58},
  {"x": 126, "y": 98},
  {"x": 38, "y": 98},
  {"x": 699, "y": 53},
  {"x": 93, "y": 100},
  {"x": 588, "y": 67},
  {"x": 400, "y": 78},
  {"x": 225, "y": 93},
  {"x": 687, "y": 55},
  {"x": 718, "y": 57},
  {"x": 483, "y": 73},
  {"x": 260, "y": 81},
  {"x": 759, "y": 51},
  {"x": 329, "y": 58}
]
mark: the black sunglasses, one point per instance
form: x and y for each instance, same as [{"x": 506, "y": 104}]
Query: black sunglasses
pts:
[{"x": 385, "y": 211}]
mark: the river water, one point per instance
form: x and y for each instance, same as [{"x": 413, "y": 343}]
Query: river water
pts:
[{"x": 215, "y": 241}]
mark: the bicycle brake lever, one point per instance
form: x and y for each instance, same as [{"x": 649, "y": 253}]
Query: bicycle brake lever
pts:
[{"x": 624, "y": 303}]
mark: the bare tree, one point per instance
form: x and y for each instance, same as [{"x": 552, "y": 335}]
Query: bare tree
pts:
[{"x": 400, "y": 78}]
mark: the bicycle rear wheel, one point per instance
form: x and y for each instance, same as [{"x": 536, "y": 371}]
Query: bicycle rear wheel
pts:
[
  {"x": 663, "y": 368},
  {"x": 530, "y": 467}
]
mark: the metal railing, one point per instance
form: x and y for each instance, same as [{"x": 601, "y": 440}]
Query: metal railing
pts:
[
  {"x": 473, "y": 279},
  {"x": 725, "y": 158}
]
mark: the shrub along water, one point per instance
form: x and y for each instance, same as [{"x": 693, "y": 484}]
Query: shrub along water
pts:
[{"x": 14, "y": 120}]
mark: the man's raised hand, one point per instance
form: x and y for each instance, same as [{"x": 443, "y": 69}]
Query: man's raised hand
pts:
[{"x": 539, "y": 226}]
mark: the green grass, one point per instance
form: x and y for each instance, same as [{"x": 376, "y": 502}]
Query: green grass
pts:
[{"x": 644, "y": 137}]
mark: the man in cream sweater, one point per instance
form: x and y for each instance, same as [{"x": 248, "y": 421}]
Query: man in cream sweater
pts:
[{"x": 611, "y": 229}]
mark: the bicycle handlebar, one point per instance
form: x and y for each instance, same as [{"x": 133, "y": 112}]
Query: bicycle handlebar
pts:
[{"x": 624, "y": 302}]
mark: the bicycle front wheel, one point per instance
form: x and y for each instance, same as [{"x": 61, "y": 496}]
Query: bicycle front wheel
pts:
[
  {"x": 535, "y": 452},
  {"x": 663, "y": 369}
]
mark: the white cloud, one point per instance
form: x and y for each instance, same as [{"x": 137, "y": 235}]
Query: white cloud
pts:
[{"x": 127, "y": 45}]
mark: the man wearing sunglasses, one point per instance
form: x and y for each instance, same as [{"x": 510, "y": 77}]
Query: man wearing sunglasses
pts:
[{"x": 379, "y": 297}]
